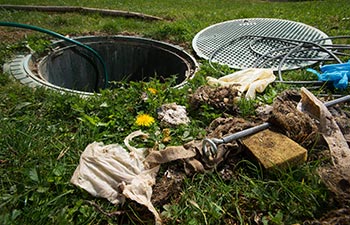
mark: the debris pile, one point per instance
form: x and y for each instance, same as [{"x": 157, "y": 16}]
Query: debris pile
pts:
[
  {"x": 299, "y": 116},
  {"x": 297, "y": 125},
  {"x": 221, "y": 97},
  {"x": 336, "y": 176}
]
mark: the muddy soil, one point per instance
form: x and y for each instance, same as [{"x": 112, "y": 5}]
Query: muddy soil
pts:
[
  {"x": 168, "y": 186},
  {"x": 334, "y": 217}
]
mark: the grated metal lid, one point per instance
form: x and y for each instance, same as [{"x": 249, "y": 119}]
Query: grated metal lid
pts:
[{"x": 242, "y": 43}]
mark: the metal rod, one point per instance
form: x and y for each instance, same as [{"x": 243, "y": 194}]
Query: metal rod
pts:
[
  {"x": 337, "y": 101},
  {"x": 246, "y": 132}
]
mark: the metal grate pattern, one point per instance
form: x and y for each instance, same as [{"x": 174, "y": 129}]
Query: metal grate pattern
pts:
[{"x": 242, "y": 43}]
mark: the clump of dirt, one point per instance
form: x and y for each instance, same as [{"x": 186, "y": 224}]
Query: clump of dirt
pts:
[
  {"x": 168, "y": 186},
  {"x": 339, "y": 216},
  {"x": 296, "y": 125},
  {"x": 342, "y": 118},
  {"x": 221, "y": 98},
  {"x": 222, "y": 127},
  {"x": 337, "y": 181}
]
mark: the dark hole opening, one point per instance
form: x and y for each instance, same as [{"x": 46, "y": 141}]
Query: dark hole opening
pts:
[{"x": 126, "y": 59}]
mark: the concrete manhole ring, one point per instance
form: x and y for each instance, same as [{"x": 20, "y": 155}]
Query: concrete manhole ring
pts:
[{"x": 69, "y": 68}]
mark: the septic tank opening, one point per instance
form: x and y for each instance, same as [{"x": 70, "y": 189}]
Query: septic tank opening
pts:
[{"x": 71, "y": 68}]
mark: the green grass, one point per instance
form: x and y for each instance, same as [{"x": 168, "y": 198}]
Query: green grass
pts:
[
  {"x": 43, "y": 133},
  {"x": 38, "y": 125},
  {"x": 284, "y": 198}
]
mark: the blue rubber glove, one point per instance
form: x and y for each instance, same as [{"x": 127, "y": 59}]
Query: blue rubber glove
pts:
[{"x": 338, "y": 74}]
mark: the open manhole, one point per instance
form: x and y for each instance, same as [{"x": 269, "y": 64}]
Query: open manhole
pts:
[{"x": 71, "y": 68}]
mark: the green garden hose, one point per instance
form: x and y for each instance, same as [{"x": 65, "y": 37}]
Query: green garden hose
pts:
[{"x": 57, "y": 35}]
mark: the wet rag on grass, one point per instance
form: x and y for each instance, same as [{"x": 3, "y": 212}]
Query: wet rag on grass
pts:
[{"x": 114, "y": 173}]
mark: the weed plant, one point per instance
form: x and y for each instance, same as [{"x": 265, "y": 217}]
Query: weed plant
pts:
[{"x": 43, "y": 133}]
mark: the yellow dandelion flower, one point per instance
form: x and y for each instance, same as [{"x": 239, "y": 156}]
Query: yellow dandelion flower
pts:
[
  {"x": 152, "y": 90},
  {"x": 144, "y": 120}
]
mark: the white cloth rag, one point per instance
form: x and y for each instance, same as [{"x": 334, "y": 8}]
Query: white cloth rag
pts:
[{"x": 111, "y": 172}]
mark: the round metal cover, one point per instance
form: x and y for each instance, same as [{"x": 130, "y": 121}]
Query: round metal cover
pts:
[{"x": 242, "y": 43}]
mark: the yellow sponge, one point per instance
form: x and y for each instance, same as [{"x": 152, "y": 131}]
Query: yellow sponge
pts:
[{"x": 273, "y": 149}]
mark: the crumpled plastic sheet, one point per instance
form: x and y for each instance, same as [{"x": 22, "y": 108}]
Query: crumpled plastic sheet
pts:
[
  {"x": 337, "y": 74},
  {"x": 251, "y": 80},
  {"x": 112, "y": 172}
]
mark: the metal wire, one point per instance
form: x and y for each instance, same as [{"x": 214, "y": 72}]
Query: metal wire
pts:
[{"x": 287, "y": 53}]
